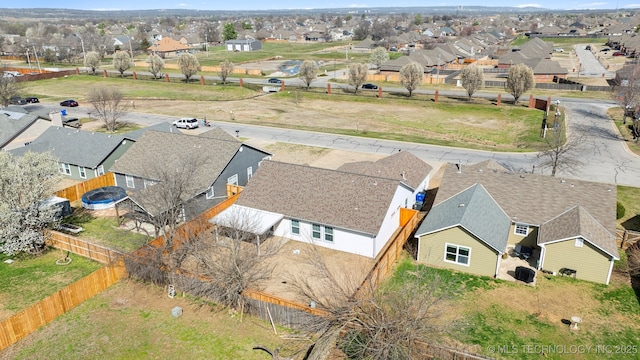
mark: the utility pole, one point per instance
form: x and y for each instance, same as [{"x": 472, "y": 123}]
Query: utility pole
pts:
[{"x": 84, "y": 54}]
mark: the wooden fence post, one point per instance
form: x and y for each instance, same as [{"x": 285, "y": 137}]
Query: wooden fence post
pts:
[
  {"x": 499, "y": 100},
  {"x": 380, "y": 92},
  {"x": 531, "y": 101},
  {"x": 201, "y": 79},
  {"x": 135, "y": 76},
  {"x": 104, "y": 73},
  {"x": 166, "y": 77},
  {"x": 436, "y": 97},
  {"x": 282, "y": 86},
  {"x": 241, "y": 82},
  {"x": 329, "y": 88}
]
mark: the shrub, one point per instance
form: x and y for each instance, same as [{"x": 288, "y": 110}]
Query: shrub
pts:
[{"x": 620, "y": 211}]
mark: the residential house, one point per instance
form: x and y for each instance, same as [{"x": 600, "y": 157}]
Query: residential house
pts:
[
  {"x": 81, "y": 154},
  {"x": 168, "y": 47},
  {"x": 355, "y": 209},
  {"x": 243, "y": 45},
  {"x": 483, "y": 211},
  {"x": 213, "y": 160}
]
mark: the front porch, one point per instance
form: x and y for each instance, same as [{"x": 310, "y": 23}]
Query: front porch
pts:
[{"x": 507, "y": 269}]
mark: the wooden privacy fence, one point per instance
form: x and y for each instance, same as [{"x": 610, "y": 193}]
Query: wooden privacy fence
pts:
[
  {"x": 75, "y": 192},
  {"x": 32, "y": 318},
  {"x": 83, "y": 248},
  {"x": 391, "y": 252},
  {"x": 264, "y": 297}
]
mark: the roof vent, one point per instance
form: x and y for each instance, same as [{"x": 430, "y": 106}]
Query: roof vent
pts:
[
  {"x": 479, "y": 170},
  {"x": 571, "y": 185},
  {"x": 404, "y": 177},
  {"x": 562, "y": 181}
]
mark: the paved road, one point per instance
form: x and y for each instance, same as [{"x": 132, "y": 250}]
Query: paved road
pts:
[
  {"x": 590, "y": 65},
  {"x": 603, "y": 153}
]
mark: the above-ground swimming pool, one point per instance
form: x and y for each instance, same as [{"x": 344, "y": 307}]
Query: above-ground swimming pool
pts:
[{"x": 102, "y": 198}]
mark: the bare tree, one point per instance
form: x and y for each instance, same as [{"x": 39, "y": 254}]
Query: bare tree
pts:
[
  {"x": 626, "y": 90},
  {"x": 92, "y": 61},
  {"x": 107, "y": 105},
  {"x": 209, "y": 32},
  {"x": 392, "y": 322},
  {"x": 9, "y": 88},
  {"x": 411, "y": 76},
  {"x": 121, "y": 62},
  {"x": 308, "y": 72},
  {"x": 155, "y": 64},
  {"x": 25, "y": 182},
  {"x": 189, "y": 65},
  {"x": 226, "y": 69},
  {"x": 472, "y": 79},
  {"x": 357, "y": 75},
  {"x": 519, "y": 80},
  {"x": 560, "y": 152},
  {"x": 379, "y": 56}
]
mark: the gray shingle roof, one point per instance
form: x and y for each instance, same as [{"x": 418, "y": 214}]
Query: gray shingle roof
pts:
[
  {"x": 156, "y": 151},
  {"x": 476, "y": 211},
  {"x": 335, "y": 198},
  {"x": 72, "y": 146},
  {"x": 10, "y": 128},
  {"x": 577, "y": 222},
  {"x": 532, "y": 199},
  {"x": 163, "y": 126},
  {"x": 393, "y": 167}
]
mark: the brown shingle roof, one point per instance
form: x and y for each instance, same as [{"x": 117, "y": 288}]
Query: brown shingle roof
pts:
[
  {"x": 533, "y": 199},
  {"x": 393, "y": 167},
  {"x": 335, "y": 198},
  {"x": 167, "y": 44},
  {"x": 577, "y": 222}
]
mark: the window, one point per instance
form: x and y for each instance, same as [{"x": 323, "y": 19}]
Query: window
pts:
[
  {"x": 64, "y": 168},
  {"x": 130, "y": 182},
  {"x": 100, "y": 170},
  {"x": 249, "y": 172},
  {"x": 521, "y": 229},
  {"x": 233, "y": 180},
  {"x": 328, "y": 233},
  {"x": 579, "y": 242},
  {"x": 210, "y": 192},
  {"x": 315, "y": 231},
  {"x": 295, "y": 227},
  {"x": 457, "y": 254},
  {"x": 82, "y": 171}
]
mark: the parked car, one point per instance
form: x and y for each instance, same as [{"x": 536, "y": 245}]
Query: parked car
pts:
[
  {"x": 274, "y": 81},
  {"x": 69, "y": 103},
  {"x": 619, "y": 53},
  {"x": 588, "y": 47},
  {"x": 32, "y": 99},
  {"x": 186, "y": 123},
  {"x": 558, "y": 50},
  {"x": 17, "y": 100},
  {"x": 370, "y": 86},
  {"x": 605, "y": 50}
]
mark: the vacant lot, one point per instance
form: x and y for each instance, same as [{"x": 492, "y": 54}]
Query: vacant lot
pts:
[
  {"x": 134, "y": 321},
  {"x": 32, "y": 278}
]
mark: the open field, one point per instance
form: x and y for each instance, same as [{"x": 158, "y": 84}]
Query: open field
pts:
[
  {"x": 452, "y": 121},
  {"x": 134, "y": 321},
  {"x": 30, "y": 279},
  {"x": 500, "y": 319}
]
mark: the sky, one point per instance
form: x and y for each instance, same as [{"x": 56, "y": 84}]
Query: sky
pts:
[{"x": 316, "y": 4}]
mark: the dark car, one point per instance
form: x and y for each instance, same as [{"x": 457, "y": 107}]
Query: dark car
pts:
[
  {"x": 274, "y": 81},
  {"x": 605, "y": 50},
  {"x": 370, "y": 86},
  {"x": 69, "y": 103},
  {"x": 17, "y": 100},
  {"x": 619, "y": 53},
  {"x": 32, "y": 99}
]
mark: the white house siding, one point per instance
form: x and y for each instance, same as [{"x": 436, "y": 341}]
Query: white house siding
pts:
[{"x": 392, "y": 219}]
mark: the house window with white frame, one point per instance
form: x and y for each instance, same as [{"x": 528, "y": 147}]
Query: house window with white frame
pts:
[
  {"x": 328, "y": 234},
  {"x": 130, "y": 182},
  {"x": 100, "y": 170},
  {"x": 249, "y": 172},
  {"x": 295, "y": 226},
  {"x": 457, "y": 254},
  {"x": 316, "y": 231},
  {"x": 64, "y": 168},
  {"x": 579, "y": 242},
  {"x": 521, "y": 229},
  {"x": 233, "y": 180},
  {"x": 210, "y": 192},
  {"x": 82, "y": 171}
]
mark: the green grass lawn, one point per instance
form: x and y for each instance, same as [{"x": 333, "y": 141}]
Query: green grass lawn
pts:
[
  {"x": 629, "y": 197},
  {"x": 509, "y": 320},
  {"x": 134, "y": 321},
  {"x": 104, "y": 231},
  {"x": 32, "y": 278}
]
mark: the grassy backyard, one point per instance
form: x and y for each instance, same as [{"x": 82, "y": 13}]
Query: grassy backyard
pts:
[
  {"x": 134, "y": 321},
  {"x": 32, "y": 278},
  {"x": 509, "y": 320}
]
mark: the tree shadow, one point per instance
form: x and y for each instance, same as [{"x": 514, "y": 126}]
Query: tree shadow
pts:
[{"x": 632, "y": 223}]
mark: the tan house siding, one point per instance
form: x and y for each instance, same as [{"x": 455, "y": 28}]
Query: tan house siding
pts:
[
  {"x": 590, "y": 263},
  {"x": 530, "y": 240},
  {"x": 483, "y": 259}
]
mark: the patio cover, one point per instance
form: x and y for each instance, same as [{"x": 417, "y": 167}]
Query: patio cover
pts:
[{"x": 247, "y": 219}]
